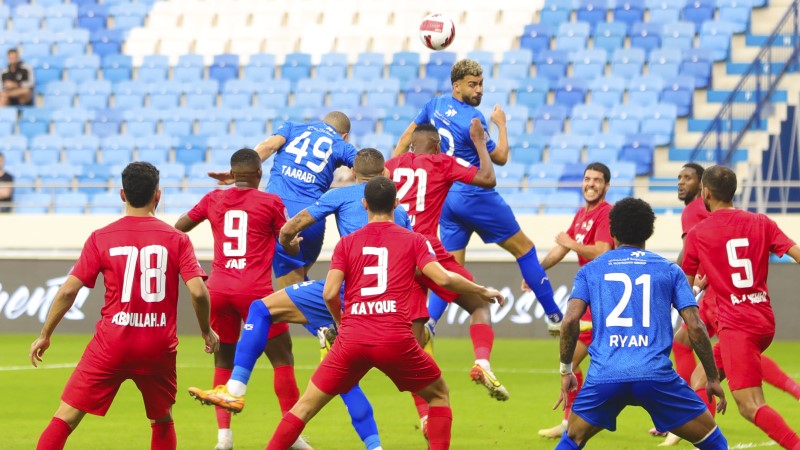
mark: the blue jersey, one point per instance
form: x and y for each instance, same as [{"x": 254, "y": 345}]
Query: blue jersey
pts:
[
  {"x": 452, "y": 118},
  {"x": 303, "y": 167},
  {"x": 631, "y": 292},
  {"x": 351, "y": 216}
]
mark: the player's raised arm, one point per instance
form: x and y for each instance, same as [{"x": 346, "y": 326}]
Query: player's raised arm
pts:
[
  {"x": 202, "y": 308},
  {"x": 500, "y": 153},
  {"x": 405, "y": 140},
  {"x": 794, "y": 253},
  {"x": 288, "y": 236},
  {"x": 456, "y": 283},
  {"x": 63, "y": 301},
  {"x": 185, "y": 224},
  {"x": 265, "y": 149},
  {"x": 330, "y": 293},
  {"x": 485, "y": 177}
]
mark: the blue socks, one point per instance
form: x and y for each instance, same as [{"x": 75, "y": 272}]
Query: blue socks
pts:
[
  {"x": 566, "y": 443},
  {"x": 537, "y": 279},
  {"x": 436, "y": 306},
  {"x": 362, "y": 417},
  {"x": 251, "y": 344},
  {"x": 714, "y": 441}
]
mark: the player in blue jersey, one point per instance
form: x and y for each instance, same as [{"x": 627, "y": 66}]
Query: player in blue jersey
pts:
[
  {"x": 303, "y": 303},
  {"x": 306, "y": 155},
  {"x": 472, "y": 209},
  {"x": 631, "y": 292}
]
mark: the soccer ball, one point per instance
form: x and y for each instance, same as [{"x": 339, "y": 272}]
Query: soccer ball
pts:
[{"x": 437, "y": 31}]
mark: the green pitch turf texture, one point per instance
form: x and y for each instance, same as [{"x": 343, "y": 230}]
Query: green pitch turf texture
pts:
[{"x": 526, "y": 367}]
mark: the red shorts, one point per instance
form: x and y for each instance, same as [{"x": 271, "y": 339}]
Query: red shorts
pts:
[
  {"x": 229, "y": 311},
  {"x": 92, "y": 388},
  {"x": 448, "y": 261},
  {"x": 738, "y": 354},
  {"x": 404, "y": 362}
]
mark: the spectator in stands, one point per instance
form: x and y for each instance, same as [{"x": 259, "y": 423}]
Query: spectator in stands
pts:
[
  {"x": 6, "y": 189},
  {"x": 17, "y": 82}
]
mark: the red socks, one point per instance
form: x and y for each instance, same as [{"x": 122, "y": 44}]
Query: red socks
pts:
[
  {"x": 482, "y": 340},
  {"x": 285, "y": 387},
  {"x": 421, "y": 404},
  {"x": 572, "y": 395},
  {"x": 288, "y": 431},
  {"x": 163, "y": 436},
  {"x": 54, "y": 437},
  {"x": 684, "y": 361},
  {"x": 776, "y": 428},
  {"x": 440, "y": 421},
  {"x": 712, "y": 405},
  {"x": 221, "y": 376},
  {"x": 775, "y": 376}
]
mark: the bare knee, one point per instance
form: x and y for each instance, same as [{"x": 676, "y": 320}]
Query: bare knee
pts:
[
  {"x": 748, "y": 410},
  {"x": 436, "y": 393},
  {"x": 223, "y": 358},
  {"x": 70, "y": 415},
  {"x": 418, "y": 328},
  {"x": 518, "y": 245}
]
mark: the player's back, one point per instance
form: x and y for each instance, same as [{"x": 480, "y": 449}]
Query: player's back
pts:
[
  {"x": 631, "y": 293},
  {"x": 423, "y": 181},
  {"x": 303, "y": 167},
  {"x": 346, "y": 204},
  {"x": 245, "y": 223}
]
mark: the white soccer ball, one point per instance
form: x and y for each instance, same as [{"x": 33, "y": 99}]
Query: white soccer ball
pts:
[{"x": 437, "y": 31}]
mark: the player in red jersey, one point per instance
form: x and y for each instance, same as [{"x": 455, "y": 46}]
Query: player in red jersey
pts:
[
  {"x": 589, "y": 236},
  {"x": 140, "y": 258},
  {"x": 377, "y": 265},
  {"x": 733, "y": 247},
  {"x": 245, "y": 223}
]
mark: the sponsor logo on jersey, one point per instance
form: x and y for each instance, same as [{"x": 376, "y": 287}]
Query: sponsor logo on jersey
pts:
[
  {"x": 375, "y": 307},
  {"x": 140, "y": 320},
  {"x": 638, "y": 254},
  {"x": 753, "y": 297}
]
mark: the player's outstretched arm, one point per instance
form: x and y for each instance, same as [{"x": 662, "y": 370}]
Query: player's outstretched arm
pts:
[
  {"x": 485, "y": 177},
  {"x": 570, "y": 328},
  {"x": 405, "y": 140},
  {"x": 288, "y": 236},
  {"x": 500, "y": 153},
  {"x": 185, "y": 224},
  {"x": 63, "y": 301},
  {"x": 330, "y": 293},
  {"x": 265, "y": 149},
  {"x": 202, "y": 307},
  {"x": 456, "y": 283},
  {"x": 794, "y": 253},
  {"x": 702, "y": 348}
]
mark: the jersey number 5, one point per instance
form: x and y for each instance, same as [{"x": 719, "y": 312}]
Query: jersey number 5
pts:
[
  {"x": 381, "y": 270},
  {"x": 153, "y": 268},
  {"x": 614, "y": 319},
  {"x": 740, "y": 263}
]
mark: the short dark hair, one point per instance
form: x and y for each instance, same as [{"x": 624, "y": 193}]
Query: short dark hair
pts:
[
  {"x": 380, "y": 194},
  {"x": 698, "y": 169},
  {"x": 246, "y": 158},
  {"x": 139, "y": 181},
  {"x": 721, "y": 181},
  {"x": 426, "y": 128},
  {"x": 12, "y": 50},
  {"x": 632, "y": 221},
  {"x": 369, "y": 162},
  {"x": 599, "y": 167}
]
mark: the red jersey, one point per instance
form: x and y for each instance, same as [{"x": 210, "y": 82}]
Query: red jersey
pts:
[
  {"x": 245, "y": 224},
  {"x": 379, "y": 262},
  {"x": 423, "y": 182},
  {"x": 734, "y": 246},
  {"x": 140, "y": 259},
  {"x": 591, "y": 227},
  {"x": 694, "y": 213}
]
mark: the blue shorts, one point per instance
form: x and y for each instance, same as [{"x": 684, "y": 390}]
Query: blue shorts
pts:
[
  {"x": 310, "y": 248},
  {"x": 669, "y": 403},
  {"x": 307, "y": 296},
  {"x": 483, "y": 212}
]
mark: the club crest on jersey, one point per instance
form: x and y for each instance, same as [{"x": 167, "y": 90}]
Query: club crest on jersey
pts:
[
  {"x": 450, "y": 112},
  {"x": 638, "y": 254}
]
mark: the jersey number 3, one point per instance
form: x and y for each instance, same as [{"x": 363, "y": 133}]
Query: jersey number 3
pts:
[
  {"x": 614, "y": 319},
  {"x": 381, "y": 270},
  {"x": 153, "y": 267}
]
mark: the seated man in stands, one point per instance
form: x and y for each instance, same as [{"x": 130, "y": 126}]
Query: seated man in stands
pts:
[{"x": 17, "y": 82}]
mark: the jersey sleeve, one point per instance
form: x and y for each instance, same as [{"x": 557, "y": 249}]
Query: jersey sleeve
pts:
[
  {"x": 603, "y": 233},
  {"x": 424, "y": 116},
  {"x": 339, "y": 257},
  {"x": 281, "y": 215},
  {"x": 401, "y": 218},
  {"x": 682, "y": 296},
  {"x": 87, "y": 267},
  {"x": 580, "y": 286},
  {"x": 347, "y": 153},
  {"x": 779, "y": 243},
  {"x": 423, "y": 251},
  {"x": 200, "y": 211},
  {"x": 691, "y": 261},
  {"x": 189, "y": 267},
  {"x": 284, "y": 130},
  {"x": 328, "y": 204},
  {"x": 461, "y": 170}
]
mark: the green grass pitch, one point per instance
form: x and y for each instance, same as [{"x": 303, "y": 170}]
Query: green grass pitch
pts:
[{"x": 526, "y": 367}]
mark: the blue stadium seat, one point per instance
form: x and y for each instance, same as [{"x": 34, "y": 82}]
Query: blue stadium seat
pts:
[
  {"x": 659, "y": 120},
  {"x": 94, "y": 94},
  {"x": 439, "y": 65},
  {"x": 736, "y": 12},
  {"x": 556, "y": 12},
  {"x": 201, "y": 94},
  {"x": 645, "y": 90},
  {"x": 107, "y": 42},
  {"x": 398, "y": 118},
  {"x": 566, "y": 203},
  {"x": 252, "y": 121},
  {"x": 532, "y": 92},
  {"x": 589, "y": 64},
  {"x": 8, "y": 40},
  {"x": 591, "y": 11},
  {"x": 497, "y": 90},
  {"x": 629, "y": 12},
  {"x": 34, "y": 121},
  {"x": 154, "y": 148},
  {"x": 8, "y": 118},
  {"x": 516, "y": 64},
  {"x": 129, "y": 94},
  {"x": 179, "y": 203},
  {"x": 61, "y": 16},
  {"x": 624, "y": 119},
  {"x": 698, "y": 11},
  {"x": 549, "y": 119},
  {"x": 32, "y": 203},
  {"x": 536, "y": 37},
  {"x": 680, "y": 92},
  {"x": 105, "y": 203},
  {"x": 678, "y": 36},
  {"x": 154, "y": 69},
  {"x": 368, "y": 66},
  {"x": 225, "y": 67},
  {"x": 37, "y": 43},
  {"x": 81, "y": 150},
  {"x": 609, "y": 36},
  {"x": 189, "y": 68},
  {"x": 382, "y": 141},
  {"x": 82, "y": 68},
  {"x": 128, "y": 15},
  {"x": 117, "y": 68},
  {"x": 627, "y": 63},
  {"x": 566, "y": 148},
  {"x": 71, "y": 42},
  {"x": 94, "y": 179},
  {"x": 117, "y": 150},
  {"x": 178, "y": 121},
  {"x": 665, "y": 11},
  {"x": 69, "y": 122},
  {"x": 552, "y": 64},
  {"x": 141, "y": 121},
  {"x": 332, "y": 66},
  {"x": 59, "y": 94},
  {"x": 623, "y": 172},
  {"x": 697, "y": 63},
  {"x": 404, "y": 66},
  {"x": 296, "y": 66},
  {"x": 165, "y": 94},
  {"x": 571, "y": 178},
  {"x": 191, "y": 149},
  {"x": 646, "y": 36},
  {"x": 274, "y": 94},
  {"x": 509, "y": 177},
  {"x": 587, "y": 120},
  {"x": 483, "y": 57},
  {"x": 382, "y": 93},
  {"x": 13, "y": 157},
  {"x": 716, "y": 36},
  {"x": 606, "y": 155},
  {"x": 5, "y": 13},
  {"x": 223, "y": 146},
  {"x": 543, "y": 177},
  {"x": 214, "y": 122},
  {"x": 523, "y": 202},
  {"x": 638, "y": 149},
  {"x": 572, "y": 36},
  {"x": 664, "y": 62},
  {"x": 238, "y": 93},
  {"x": 347, "y": 93},
  {"x": 45, "y": 149},
  {"x": 570, "y": 92},
  {"x": 171, "y": 174},
  {"x": 106, "y": 122},
  {"x": 363, "y": 120},
  {"x": 516, "y": 119},
  {"x": 419, "y": 91},
  {"x": 260, "y": 68},
  {"x": 92, "y": 16},
  {"x": 527, "y": 148},
  {"x": 27, "y": 18},
  {"x": 310, "y": 92},
  {"x": 47, "y": 69}
]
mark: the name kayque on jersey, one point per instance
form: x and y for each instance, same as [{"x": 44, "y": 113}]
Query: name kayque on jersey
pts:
[{"x": 374, "y": 307}]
